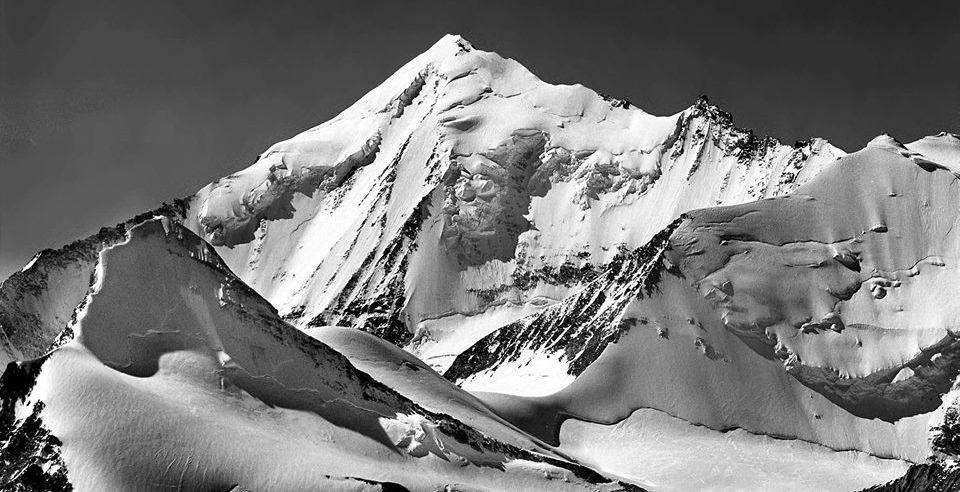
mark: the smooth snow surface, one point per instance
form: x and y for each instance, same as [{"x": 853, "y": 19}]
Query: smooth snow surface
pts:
[
  {"x": 181, "y": 377},
  {"x": 464, "y": 185},
  {"x": 477, "y": 280},
  {"x": 414, "y": 379},
  {"x": 668, "y": 454},
  {"x": 825, "y": 315}
]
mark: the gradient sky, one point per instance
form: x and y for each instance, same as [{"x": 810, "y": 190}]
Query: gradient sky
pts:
[{"x": 107, "y": 109}]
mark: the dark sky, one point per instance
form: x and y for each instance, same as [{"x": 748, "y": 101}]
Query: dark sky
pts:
[{"x": 107, "y": 109}]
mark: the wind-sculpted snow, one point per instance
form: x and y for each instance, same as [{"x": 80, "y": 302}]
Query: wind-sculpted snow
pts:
[
  {"x": 610, "y": 286},
  {"x": 298, "y": 169},
  {"x": 415, "y": 380},
  {"x": 485, "y": 207},
  {"x": 855, "y": 304},
  {"x": 181, "y": 374},
  {"x": 38, "y": 303},
  {"x": 824, "y": 315},
  {"x": 668, "y": 454},
  {"x": 463, "y": 187},
  {"x": 943, "y": 148}
]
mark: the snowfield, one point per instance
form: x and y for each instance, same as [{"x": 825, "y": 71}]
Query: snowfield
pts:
[
  {"x": 472, "y": 279},
  {"x": 181, "y": 376},
  {"x": 464, "y": 184}
]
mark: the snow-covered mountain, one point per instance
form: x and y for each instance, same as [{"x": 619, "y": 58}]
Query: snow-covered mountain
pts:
[
  {"x": 464, "y": 193},
  {"x": 622, "y": 300},
  {"x": 178, "y": 374},
  {"x": 824, "y": 316}
]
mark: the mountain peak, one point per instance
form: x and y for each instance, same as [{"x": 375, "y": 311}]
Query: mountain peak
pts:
[
  {"x": 573, "y": 260},
  {"x": 446, "y": 47},
  {"x": 453, "y": 41}
]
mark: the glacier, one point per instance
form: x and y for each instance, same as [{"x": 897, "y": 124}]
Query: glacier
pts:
[{"x": 475, "y": 279}]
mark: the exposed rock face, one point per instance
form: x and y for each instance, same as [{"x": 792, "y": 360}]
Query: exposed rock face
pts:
[
  {"x": 464, "y": 186},
  {"x": 580, "y": 327},
  {"x": 168, "y": 338},
  {"x": 841, "y": 284},
  {"x": 927, "y": 477},
  {"x": 571, "y": 259},
  {"x": 941, "y": 473},
  {"x": 30, "y": 457}
]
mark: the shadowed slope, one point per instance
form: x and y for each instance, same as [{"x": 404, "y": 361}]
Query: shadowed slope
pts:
[
  {"x": 181, "y": 374},
  {"x": 826, "y": 315}
]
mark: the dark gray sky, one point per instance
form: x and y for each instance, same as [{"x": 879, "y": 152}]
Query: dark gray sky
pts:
[{"x": 109, "y": 108}]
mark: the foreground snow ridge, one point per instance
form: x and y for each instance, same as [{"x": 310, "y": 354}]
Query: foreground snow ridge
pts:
[
  {"x": 181, "y": 375},
  {"x": 472, "y": 279}
]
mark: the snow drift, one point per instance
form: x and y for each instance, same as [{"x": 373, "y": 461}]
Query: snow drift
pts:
[
  {"x": 464, "y": 193},
  {"x": 179, "y": 375},
  {"x": 614, "y": 299},
  {"x": 823, "y": 315}
]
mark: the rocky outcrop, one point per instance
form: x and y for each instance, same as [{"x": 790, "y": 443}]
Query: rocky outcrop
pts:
[
  {"x": 925, "y": 477},
  {"x": 30, "y": 456},
  {"x": 188, "y": 306},
  {"x": 521, "y": 192},
  {"x": 580, "y": 327}
]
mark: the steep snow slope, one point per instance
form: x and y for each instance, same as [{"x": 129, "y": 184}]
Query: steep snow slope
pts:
[
  {"x": 39, "y": 302},
  {"x": 538, "y": 244},
  {"x": 464, "y": 193},
  {"x": 179, "y": 375},
  {"x": 825, "y": 315},
  {"x": 413, "y": 379},
  {"x": 862, "y": 310}
]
